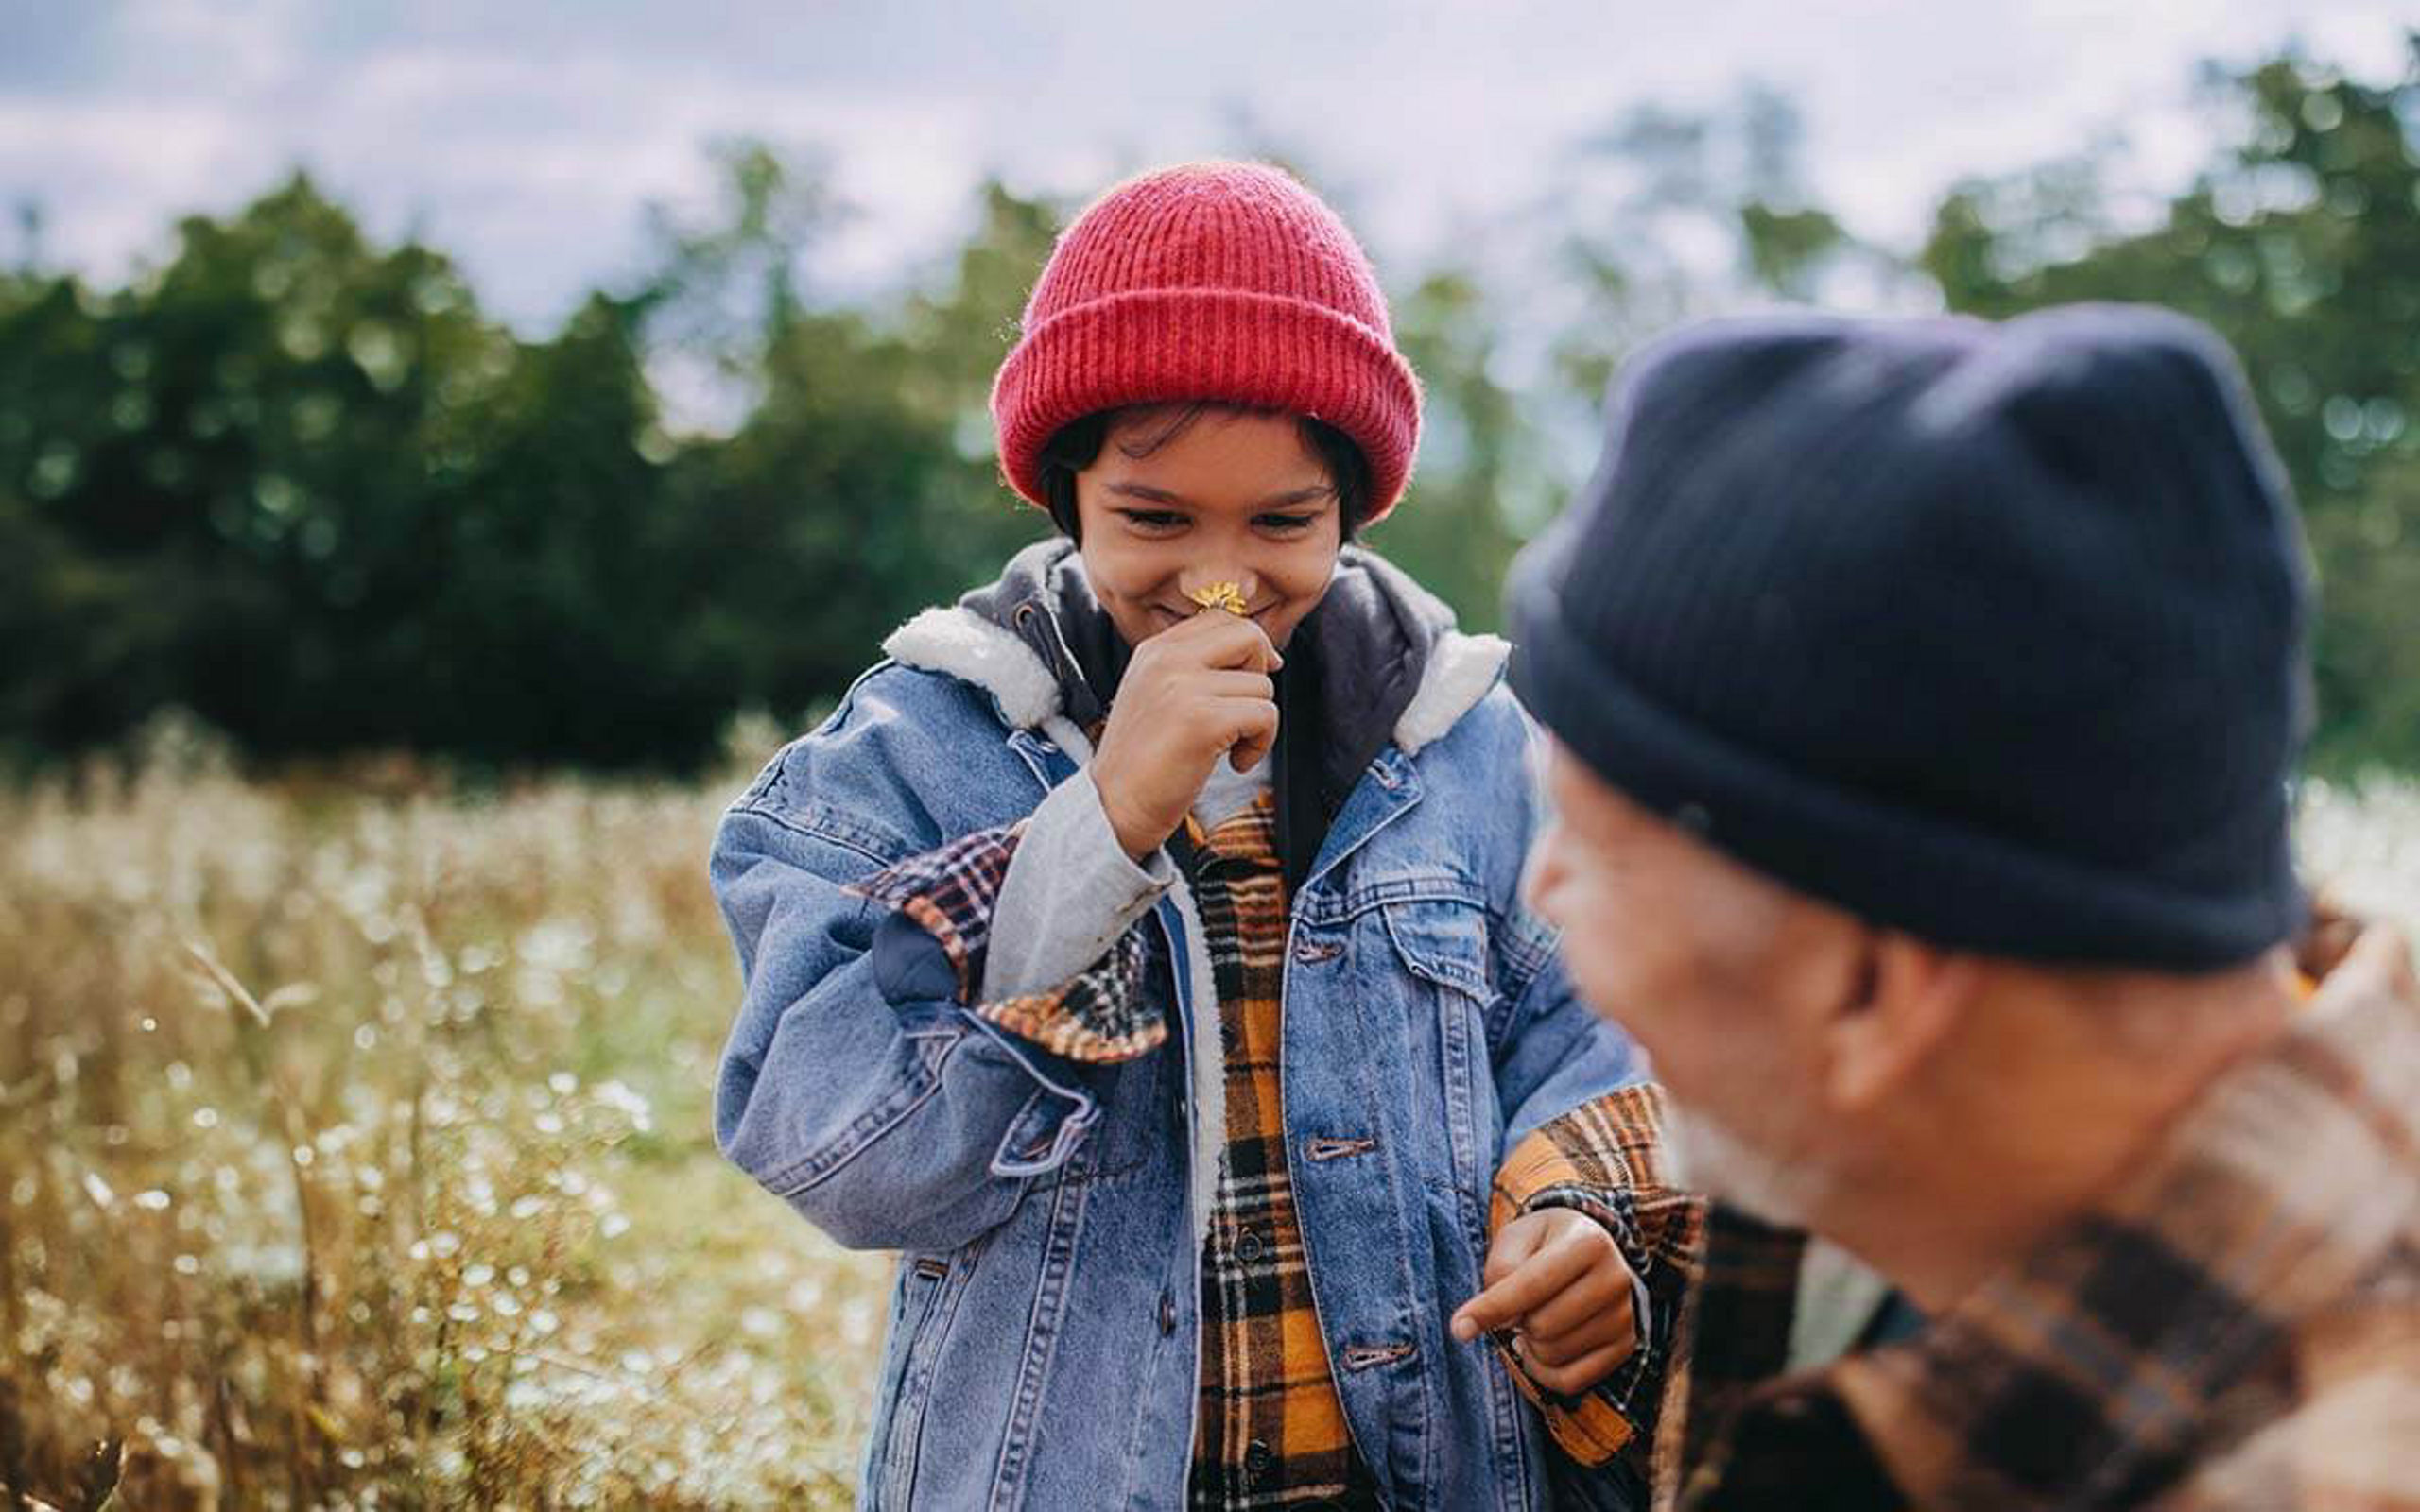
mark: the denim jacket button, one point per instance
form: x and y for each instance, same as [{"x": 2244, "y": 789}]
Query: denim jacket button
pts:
[{"x": 1167, "y": 1315}]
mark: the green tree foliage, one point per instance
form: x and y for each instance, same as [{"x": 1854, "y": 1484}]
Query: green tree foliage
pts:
[
  {"x": 860, "y": 485},
  {"x": 296, "y": 481},
  {"x": 233, "y": 483},
  {"x": 1455, "y": 530},
  {"x": 1678, "y": 215},
  {"x": 2302, "y": 245}
]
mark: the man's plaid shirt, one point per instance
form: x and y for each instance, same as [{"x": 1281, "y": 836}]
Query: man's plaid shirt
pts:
[{"x": 2236, "y": 1327}]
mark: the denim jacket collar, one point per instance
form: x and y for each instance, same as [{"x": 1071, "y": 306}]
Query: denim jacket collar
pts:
[{"x": 976, "y": 641}]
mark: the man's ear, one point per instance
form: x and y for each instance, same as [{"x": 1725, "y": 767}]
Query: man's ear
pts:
[{"x": 1906, "y": 1002}]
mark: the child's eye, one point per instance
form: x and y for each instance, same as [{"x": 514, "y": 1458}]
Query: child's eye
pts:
[
  {"x": 1153, "y": 522},
  {"x": 1286, "y": 524}
]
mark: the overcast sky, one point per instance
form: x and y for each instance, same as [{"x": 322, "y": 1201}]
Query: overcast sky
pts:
[{"x": 525, "y": 138}]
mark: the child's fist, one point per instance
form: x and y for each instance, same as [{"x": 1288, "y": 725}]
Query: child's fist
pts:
[{"x": 1557, "y": 1279}]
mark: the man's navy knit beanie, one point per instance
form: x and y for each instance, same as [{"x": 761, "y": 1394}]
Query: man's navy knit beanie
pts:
[{"x": 1992, "y": 633}]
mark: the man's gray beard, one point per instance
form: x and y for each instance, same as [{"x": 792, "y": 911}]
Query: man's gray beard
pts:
[{"x": 1705, "y": 1156}]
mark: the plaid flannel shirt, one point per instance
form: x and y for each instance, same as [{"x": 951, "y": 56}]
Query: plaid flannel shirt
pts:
[
  {"x": 1604, "y": 1158},
  {"x": 1272, "y": 1430},
  {"x": 2236, "y": 1327},
  {"x": 1100, "y": 1017}
]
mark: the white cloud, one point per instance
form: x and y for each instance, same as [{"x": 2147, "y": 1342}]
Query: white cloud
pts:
[
  {"x": 527, "y": 141},
  {"x": 111, "y": 175}
]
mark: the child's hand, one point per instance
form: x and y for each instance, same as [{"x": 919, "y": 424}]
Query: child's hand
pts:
[
  {"x": 1192, "y": 694},
  {"x": 1558, "y": 1277}
]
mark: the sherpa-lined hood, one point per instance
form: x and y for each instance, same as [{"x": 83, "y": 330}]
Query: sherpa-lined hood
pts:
[
  {"x": 1380, "y": 657},
  {"x": 1040, "y": 643}
]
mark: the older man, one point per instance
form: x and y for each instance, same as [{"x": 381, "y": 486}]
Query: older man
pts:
[{"x": 1925, "y": 696}]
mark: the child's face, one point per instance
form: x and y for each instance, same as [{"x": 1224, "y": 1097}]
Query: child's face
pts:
[{"x": 1233, "y": 497}]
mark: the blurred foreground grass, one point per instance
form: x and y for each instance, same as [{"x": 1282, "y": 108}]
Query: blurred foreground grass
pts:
[{"x": 357, "y": 1149}]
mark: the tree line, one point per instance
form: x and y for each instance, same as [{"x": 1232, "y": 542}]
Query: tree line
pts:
[{"x": 298, "y": 482}]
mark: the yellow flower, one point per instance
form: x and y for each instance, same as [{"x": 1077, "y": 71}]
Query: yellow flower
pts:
[{"x": 1229, "y": 596}]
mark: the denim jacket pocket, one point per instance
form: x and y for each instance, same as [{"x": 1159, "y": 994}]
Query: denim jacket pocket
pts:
[
  {"x": 930, "y": 1287},
  {"x": 1443, "y": 941}
]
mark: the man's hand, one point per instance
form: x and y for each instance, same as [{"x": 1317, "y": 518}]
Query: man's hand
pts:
[{"x": 1558, "y": 1278}]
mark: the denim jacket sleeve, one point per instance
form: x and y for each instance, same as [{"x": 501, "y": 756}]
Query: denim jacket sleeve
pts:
[
  {"x": 856, "y": 1085},
  {"x": 1569, "y": 1085},
  {"x": 1100, "y": 1016},
  {"x": 1553, "y": 1052},
  {"x": 1605, "y": 1159},
  {"x": 1556, "y": 1053}
]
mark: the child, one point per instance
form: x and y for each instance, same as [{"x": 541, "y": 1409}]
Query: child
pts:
[{"x": 1138, "y": 948}]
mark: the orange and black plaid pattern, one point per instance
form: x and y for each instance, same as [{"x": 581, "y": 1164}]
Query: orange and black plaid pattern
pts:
[
  {"x": 1605, "y": 1158},
  {"x": 1102, "y": 1016},
  {"x": 2234, "y": 1325},
  {"x": 1273, "y": 1432},
  {"x": 1273, "y": 1429}
]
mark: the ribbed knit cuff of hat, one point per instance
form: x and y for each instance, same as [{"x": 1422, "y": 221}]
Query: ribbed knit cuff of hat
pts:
[{"x": 1871, "y": 854}]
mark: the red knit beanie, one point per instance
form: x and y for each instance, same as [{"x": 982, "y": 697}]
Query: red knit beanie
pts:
[{"x": 1226, "y": 282}]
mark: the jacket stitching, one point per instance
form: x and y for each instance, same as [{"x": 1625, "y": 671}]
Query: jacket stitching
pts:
[
  {"x": 861, "y": 1136},
  {"x": 816, "y": 826}
]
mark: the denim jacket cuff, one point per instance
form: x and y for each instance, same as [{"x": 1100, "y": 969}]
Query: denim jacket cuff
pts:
[{"x": 1102, "y": 1015}]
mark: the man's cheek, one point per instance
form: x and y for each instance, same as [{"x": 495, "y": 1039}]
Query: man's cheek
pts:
[{"x": 1598, "y": 972}]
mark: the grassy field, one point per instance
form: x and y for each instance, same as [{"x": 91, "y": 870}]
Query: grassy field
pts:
[
  {"x": 354, "y": 1148},
  {"x": 356, "y": 1153}
]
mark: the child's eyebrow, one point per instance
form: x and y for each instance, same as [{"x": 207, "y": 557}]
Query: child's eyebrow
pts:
[
  {"x": 1310, "y": 495},
  {"x": 1151, "y": 495},
  {"x": 1146, "y": 493}
]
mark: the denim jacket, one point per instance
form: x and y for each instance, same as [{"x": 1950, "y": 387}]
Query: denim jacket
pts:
[{"x": 1041, "y": 1350}]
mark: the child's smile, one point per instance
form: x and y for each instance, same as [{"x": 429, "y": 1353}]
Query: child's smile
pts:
[{"x": 1228, "y": 498}]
